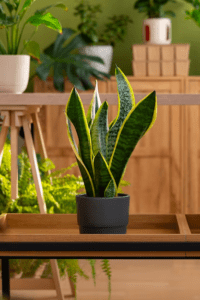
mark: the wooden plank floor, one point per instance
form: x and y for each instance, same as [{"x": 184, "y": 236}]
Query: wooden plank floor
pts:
[{"x": 132, "y": 279}]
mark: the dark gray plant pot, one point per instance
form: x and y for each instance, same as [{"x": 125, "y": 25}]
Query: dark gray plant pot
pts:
[{"x": 102, "y": 215}]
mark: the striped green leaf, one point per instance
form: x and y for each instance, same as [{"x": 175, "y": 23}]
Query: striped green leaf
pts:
[
  {"x": 110, "y": 190},
  {"x": 99, "y": 130},
  {"x": 137, "y": 122},
  {"x": 84, "y": 172},
  {"x": 126, "y": 101},
  {"x": 94, "y": 106},
  {"x": 102, "y": 176},
  {"x": 75, "y": 112}
]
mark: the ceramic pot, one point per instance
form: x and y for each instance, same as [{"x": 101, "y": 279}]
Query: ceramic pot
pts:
[
  {"x": 96, "y": 215},
  {"x": 157, "y": 31},
  {"x": 104, "y": 52},
  {"x": 14, "y": 73}
]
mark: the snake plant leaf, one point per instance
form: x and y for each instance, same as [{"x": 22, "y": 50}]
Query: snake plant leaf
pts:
[
  {"x": 126, "y": 101},
  {"x": 74, "y": 65},
  {"x": 48, "y": 20},
  {"x": 75, "y": 112},
  {"x": 110, "y": 190},
  {"x": 99, "y": 130},
  {"x": 137, "y": 122},
  {"x": 94, "y": 106},
  {"x": 84, "y": 172},
  {"x": 102, "y": 176}
]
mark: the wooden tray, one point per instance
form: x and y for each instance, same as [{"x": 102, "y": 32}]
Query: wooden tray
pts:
[{"x": 64, "y": 228}]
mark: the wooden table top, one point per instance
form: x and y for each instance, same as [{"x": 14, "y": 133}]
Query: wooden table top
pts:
[{"x": 57, "y": 235}]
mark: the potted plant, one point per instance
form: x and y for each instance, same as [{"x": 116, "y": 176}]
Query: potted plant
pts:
[
  {"x": 66, "y": 60},
  {"x": 15, "y": 66},
  {"x": 102, "y": 44},
  {"x": 156, "y": 28},
  {"x": 103, "y": 153}
]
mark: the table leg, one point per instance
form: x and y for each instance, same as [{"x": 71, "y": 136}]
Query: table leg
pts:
[{"x": 5, "y": 279}]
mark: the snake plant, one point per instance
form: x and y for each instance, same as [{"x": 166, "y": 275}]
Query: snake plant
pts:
[{"x": 104, "y": 150}]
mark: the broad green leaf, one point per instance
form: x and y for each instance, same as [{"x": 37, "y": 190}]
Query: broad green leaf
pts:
[
  {"x": 44, "y": 69},
  {"x": 47, "y": 19},
  {"x": 26, "y": 5},
  {"x": 2, "y": 48},
  {"x": 126, "y": 101},
  {"x": 110, "y": 190},
  {"x": 66, "y": 34},
  {"x": 94, "y": 106},
  {"x": 77, "y": 69},
  {"x": 99, "y": 130},
  {"x": 33, "y": 49},
  {"x": 77, "y": 42},
  {"x": 102, "y": 175},
  {"x": 137, "y": 122},
  {"x": 84, "y": 172},
  {"x": 58, "y": 78},
  {"x": 59, "y": 5},
  {"x": 6, "y": 21},
  {"x": 75, "y": 112}
]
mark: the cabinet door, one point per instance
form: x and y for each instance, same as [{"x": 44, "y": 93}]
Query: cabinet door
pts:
[
  {"x": 154, "y": 168},
  {"x": 192, "y": 149}
]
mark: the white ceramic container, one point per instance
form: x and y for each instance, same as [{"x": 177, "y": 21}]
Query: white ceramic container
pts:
[
  {"x": 104, "y": 52},
  {"x": 14, "y": 73},
  {"x": 157, "y": 31}
]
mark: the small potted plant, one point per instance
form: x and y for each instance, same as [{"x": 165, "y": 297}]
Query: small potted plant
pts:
[
  {"x": 67, "y": 59},
  {"x": 101, "y": 45},
  {"x": 156, "y": 28},
  {"x": 103, "y": 153},
  {"x": 14, "y": 66}
]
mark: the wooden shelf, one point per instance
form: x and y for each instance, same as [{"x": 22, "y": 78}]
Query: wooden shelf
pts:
[{"x": 64, "y": 228}]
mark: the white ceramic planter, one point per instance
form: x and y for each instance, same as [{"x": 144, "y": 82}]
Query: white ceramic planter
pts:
[
  {"x": 104, "y": 52},
  {"x": 14, "y": 73},
  {"x": 157, "y": 31}
]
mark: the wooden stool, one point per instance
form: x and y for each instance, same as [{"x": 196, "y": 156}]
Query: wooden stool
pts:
[{"x": 15, "y": 117}]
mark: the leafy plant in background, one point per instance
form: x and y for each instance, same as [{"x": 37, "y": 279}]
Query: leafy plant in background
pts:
[
  {"x": 10, "y": 22},
  {"x": 59, "y": 198},
  {"x": 67, "y": 60},
  {"x": 194, "y": 14},
  {"x": 114, "y": 30},
  {"x": 154, "y": 8}
]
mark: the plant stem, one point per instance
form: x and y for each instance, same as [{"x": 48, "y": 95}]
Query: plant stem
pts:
[
  {"x": 34, "y": 32},
  {"x": 8, "y": 42}
]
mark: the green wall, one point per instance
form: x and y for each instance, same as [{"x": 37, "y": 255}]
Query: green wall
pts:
[{"x": 183, "y": 31}]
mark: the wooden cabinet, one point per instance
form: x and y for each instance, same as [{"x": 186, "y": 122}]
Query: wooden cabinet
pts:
[{"x": 156, "y": 169}]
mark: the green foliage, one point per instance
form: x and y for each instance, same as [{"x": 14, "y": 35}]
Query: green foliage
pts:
[
  {"x": 59, "y": 198},
  {"x": 67, "y": 60},
  {"x": 11, "y": 20},
  {"x": 114, "y": 30},
  {"x": 104, "y": 149},
  {"x": 194, "y": 14},
  {"x": 154, "y": 8}
]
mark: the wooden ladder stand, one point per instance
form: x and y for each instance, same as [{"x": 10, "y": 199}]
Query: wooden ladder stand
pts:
[{"x": 15, "y": 117}]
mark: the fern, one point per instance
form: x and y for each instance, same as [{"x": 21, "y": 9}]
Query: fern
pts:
[{"x": 106, "y": 268}]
